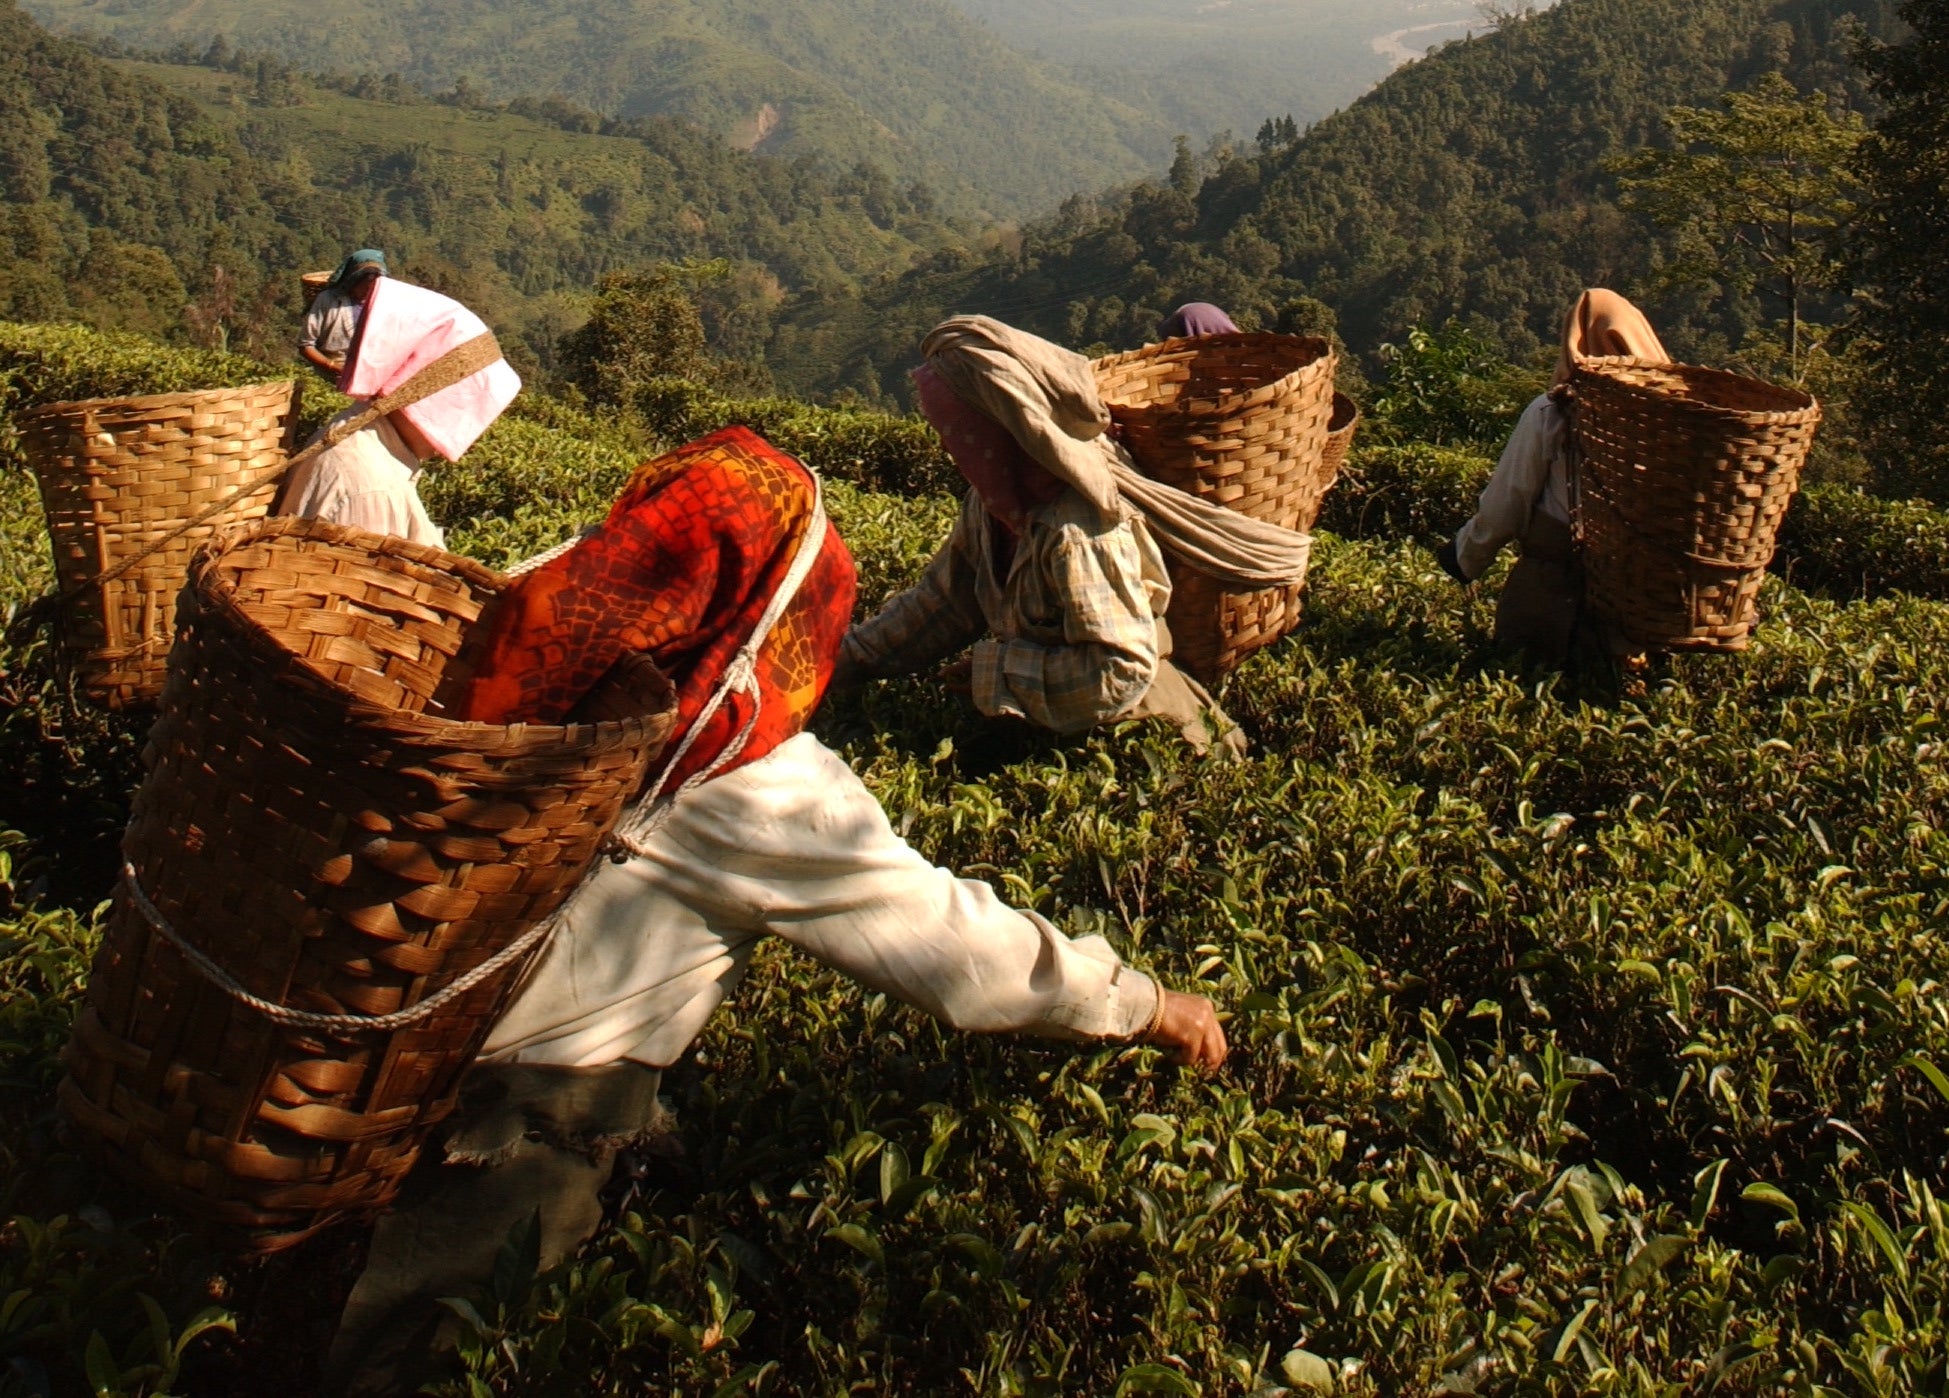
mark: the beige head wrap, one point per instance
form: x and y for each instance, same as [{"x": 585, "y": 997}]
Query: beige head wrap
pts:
[
  {"x": 1604, "y": 325},
  {"x": 1046, "y": 397}
]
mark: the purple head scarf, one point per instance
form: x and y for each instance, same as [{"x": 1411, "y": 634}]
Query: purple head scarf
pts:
[{"x": 1195, "y": 318}]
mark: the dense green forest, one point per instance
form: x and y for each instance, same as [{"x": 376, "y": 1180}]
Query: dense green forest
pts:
[
  {"x": 911, "y": 85},
  {"x": 184, "y": 199},
  {"x": 1471, "y": 184}
]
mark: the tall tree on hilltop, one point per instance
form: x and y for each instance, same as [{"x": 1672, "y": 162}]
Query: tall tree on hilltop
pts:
[
  {"x": 1757, "y": 192},
  {"x": 1901, "y": 253}
]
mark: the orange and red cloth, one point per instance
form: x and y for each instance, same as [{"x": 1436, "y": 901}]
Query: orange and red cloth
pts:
[{"x": 683, "y": 568}]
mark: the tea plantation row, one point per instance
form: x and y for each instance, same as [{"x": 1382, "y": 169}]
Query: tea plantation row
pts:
[{"x": 1585, "y": 1042}]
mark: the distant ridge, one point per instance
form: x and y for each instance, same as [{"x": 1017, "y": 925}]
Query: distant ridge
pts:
[
  {"x": 911, "y": 85},
  {"x": 1470, "y": 184}
]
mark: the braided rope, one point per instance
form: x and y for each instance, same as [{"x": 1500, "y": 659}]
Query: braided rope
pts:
[
  {"x": 548, "y": 556},
  {"x": 303, "y": 1019}
]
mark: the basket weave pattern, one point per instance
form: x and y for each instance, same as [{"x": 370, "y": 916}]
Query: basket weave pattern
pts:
[
  {"x": 337, "y": 848},
  {"x": 1686, "y": 475},
  {"x": 118, "y": 474},
  {"x": 1241, "y": 420}
]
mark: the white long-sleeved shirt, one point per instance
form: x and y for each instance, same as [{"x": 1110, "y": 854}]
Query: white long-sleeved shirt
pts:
[
  {"x": 367, "y": 481},
  {"x": 794, "y": 846},
  {"x": 1533, "y": 474},
  {"x": 331, "y": 323}
]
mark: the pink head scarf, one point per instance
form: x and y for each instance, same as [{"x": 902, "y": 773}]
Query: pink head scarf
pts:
[
  {"x": 1009, "y": 481},
  {"x": 404, "y": 329}
]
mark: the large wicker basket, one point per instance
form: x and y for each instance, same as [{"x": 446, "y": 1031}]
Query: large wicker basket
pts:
[
  {"x": 1242, "y": 420},
  {"x": 337, "y": 850},
  {"x": 1685, "y": 474},
  {"x": 117, "y": 477},
  {"x": 1333, "y": 459}
]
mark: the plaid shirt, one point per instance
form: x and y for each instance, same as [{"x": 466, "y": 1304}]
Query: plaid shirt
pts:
[{"x": 1074, "y": 624}]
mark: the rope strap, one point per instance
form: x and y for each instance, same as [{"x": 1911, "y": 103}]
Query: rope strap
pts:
[
  {"x": 548, "y": 556},
  {"x": 303, "y": 1019},
  {"x": 740, "y": 676}
]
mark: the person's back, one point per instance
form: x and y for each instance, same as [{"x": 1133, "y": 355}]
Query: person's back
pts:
[{"x": 1530, "y": 496}]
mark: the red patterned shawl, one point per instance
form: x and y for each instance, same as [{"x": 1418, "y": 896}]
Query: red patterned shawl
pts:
[{"x": 683, "y": 567}]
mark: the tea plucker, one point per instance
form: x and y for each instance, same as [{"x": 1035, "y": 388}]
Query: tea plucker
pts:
[
  {"x": 1055, "y": 569},
  {"x": 332, "y": 319},
  {"x": 752, "y": 828},
  {"x": 1529, "y": 497},
  {"x": 370, "y": 478}
]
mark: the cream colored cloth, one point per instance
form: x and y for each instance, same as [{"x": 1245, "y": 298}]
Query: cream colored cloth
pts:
[
  {"x": 1533, "y": 475},
  {"x": 1604, "y": 325},
  {"x": 1046, "y": 396},
  {"x": 794, "y": 846},
  {"x": 367, "y": 481}
]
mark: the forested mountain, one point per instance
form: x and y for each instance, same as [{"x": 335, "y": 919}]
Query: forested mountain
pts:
[
  {"x": 1208, "y": 67},
  {"x": 1470, "y": 184},
  {"x": 911, "y": 85},
  {"x": 132, "y": 188}
]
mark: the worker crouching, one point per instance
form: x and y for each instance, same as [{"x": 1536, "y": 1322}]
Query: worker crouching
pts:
[
  {"x": 719, "y": 563},
  {"x": 1055, "y": 570}
]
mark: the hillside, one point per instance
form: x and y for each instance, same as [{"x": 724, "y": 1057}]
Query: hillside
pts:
[
  {"x": 1207, "y": 67},
  {"x": 129, "y": 184},
  {"x": 1468, "y": 184},
  {"x": 911, "y": 85}
]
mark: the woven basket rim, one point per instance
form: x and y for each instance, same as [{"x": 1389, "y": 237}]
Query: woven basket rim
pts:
[
  {"x": 1346, "y": 413},
  {"x": 1191, "y": 346},
  {"x": 183, "y": 398},
  {"x": 1611, "y": 371},
  {"x": 218, "y": 593}
]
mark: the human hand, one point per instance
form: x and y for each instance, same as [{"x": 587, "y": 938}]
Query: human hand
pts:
[
  {"x": 957, "y": 676},
  {"x": 1188, "y": 1026},
  {"x": 846, "y": 674},
  {"x": 1451, "y": 562}
]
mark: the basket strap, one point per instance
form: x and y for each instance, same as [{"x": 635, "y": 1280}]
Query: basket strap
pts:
[
  {"x": 740, "y": 676},
  {"x": 289, "y": 1018},
  {"x": 548, "y": 556},
  {"x": 461, "y": 362},
  {"x": 1573, "y": 469}
]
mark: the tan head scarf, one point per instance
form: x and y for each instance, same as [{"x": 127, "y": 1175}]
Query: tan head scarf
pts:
[
  {"x": 1601, "y": 325},
  {"x": 1045, "y": 396}
]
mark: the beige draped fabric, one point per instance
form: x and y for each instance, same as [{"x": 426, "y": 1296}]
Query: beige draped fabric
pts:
[
  {"x": 1604, "y": 325},
  {"x": 1046, "y": 396}
]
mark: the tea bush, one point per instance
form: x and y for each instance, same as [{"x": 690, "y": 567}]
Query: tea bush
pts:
[
  {"x": 1585, "y": 1041},
  {"x": 1837, "y": 539},
  {"x": 1850, "y": 543}
]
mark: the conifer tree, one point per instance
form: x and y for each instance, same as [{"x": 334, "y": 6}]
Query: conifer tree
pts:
[{"x": 1901, "y": 256}]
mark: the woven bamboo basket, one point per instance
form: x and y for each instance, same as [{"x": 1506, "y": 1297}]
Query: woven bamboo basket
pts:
[
  {"x": 1685, "y": 476},
  {"x": 312, "y": 283},
  {"x": 117, "y": 475},
  {"x": 1333, "y": 458},
  {"x": 1242, "y": 420},
  {"x": 313, "y": 827}
]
